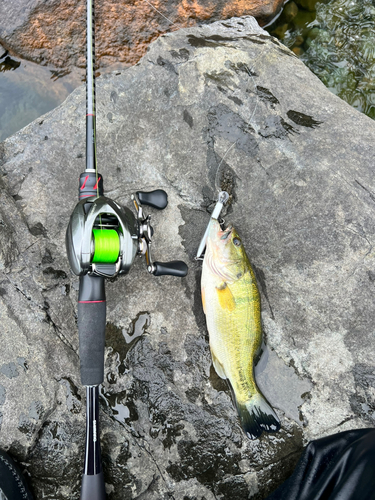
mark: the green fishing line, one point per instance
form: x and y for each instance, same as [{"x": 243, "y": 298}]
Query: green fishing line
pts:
[{"x": 107, "y": 245}]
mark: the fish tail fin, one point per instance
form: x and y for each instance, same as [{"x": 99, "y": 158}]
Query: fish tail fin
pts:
[{"x": 257, "y": 415}]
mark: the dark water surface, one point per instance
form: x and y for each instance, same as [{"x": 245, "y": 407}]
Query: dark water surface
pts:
[
  {"x": 336, "y": 40},
  {"x": 28, "y": 90}
]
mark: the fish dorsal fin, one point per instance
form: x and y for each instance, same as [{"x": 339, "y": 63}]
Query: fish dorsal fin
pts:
[
  {"x": 219, "y": 369},
  {"x": 225, "y": 296}
]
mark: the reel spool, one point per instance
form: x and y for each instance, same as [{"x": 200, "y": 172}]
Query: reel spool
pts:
[
  {"x": 106, "y": 246},
  {"x": 102, "y": 238}
]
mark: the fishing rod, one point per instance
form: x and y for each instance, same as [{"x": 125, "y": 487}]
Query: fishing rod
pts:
[{"x": 102, "y": 241}]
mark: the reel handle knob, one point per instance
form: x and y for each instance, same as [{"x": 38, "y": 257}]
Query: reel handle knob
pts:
[
  {"x": 156, "y": 199},
  {"x": 173, "y": 268}
]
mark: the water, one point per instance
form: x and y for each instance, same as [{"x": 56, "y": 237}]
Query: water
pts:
[
  {"x": 28, "y": 90},
  {"x": 281, "y": 385},
  {"x": 335, "y": 40},
  {"x": 121, "y": 341}
]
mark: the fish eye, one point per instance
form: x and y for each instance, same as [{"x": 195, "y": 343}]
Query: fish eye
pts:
[{"x": 237, "y": 242}]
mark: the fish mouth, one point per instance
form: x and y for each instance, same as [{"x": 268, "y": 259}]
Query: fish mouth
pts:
[
  {"x": 219, "y": 232},
  {"x": 225, "y": 232}
]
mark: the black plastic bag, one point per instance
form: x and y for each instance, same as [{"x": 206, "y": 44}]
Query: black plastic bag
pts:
[
  {"x": 337, "y": 467},
  {"x": 12, "y": 482}
]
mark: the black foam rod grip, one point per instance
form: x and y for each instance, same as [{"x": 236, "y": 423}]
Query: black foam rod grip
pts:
[
  {"x": 93, "y": 487},
  {"x": 91, "y": 329},
  {"x": 156, "y": 199},
  {"x": 174, "y": 268}
]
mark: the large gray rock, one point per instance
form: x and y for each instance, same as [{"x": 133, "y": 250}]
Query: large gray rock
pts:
[{"x": 220, "y": 106}]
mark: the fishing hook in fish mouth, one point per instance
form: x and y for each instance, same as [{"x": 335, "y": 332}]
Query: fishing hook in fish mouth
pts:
[{"x": 221, "y": 221}]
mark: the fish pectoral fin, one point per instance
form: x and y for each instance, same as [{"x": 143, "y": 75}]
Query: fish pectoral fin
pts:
[
  {"x": 219, "y": 369},
  {"x": 225, "y": 296}
]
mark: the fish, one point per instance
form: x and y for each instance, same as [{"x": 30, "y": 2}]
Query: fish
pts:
[{"x": 231, "y": 303}]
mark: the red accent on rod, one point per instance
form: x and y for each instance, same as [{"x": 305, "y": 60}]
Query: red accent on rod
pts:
[
  {"x": 84, "y": 184},
  {"x": 96, "y": 185},
  {"x": 90, "y": 114}
]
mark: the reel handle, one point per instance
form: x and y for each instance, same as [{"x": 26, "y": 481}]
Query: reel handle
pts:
[
  {"x": 156, "y": 199},
  {"x": 173, "y": 268},
  {"x": 91, "y": 328}
]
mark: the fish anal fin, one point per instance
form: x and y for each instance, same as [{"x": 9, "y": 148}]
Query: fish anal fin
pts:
[
  {"x": 225, "y": 296},
  {"x": 219, "y": 369}
]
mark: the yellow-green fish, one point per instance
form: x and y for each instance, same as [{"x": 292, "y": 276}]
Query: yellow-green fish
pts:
[{"x": 231, "y": 303}]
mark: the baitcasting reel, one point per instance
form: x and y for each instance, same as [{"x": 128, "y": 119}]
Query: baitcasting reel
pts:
[{"x": 103, "y": 238}]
